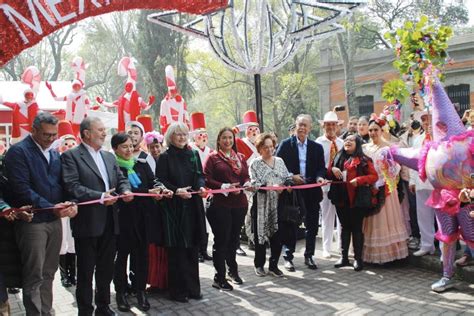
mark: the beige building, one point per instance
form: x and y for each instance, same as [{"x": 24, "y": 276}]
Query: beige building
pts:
[{"x": 373, "y": 69}]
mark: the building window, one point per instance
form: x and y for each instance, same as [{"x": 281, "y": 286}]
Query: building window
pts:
[
  {"x": 365, "y": 104},
  {"x": 460, "y": 96}
]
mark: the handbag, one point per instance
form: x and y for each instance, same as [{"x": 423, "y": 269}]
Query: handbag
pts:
[
  {"x": 363, "y": 198},
  {"x": 289, "y": 207}
]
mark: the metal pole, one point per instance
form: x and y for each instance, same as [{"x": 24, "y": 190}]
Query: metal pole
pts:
[{"x": 258, "y": 100}]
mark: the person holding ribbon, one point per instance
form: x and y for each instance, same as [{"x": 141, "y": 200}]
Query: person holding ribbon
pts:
[
  {"x": 266, "y": 170},
  {"x": 134, "y": 222},
  {"x": 353, "y": 167},
  {"x": 179, "y": 169},
  {"x": 226, "y": 169}
]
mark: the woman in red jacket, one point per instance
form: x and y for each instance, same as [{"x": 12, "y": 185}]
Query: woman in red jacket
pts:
[
  {"x": 353, "y": 167},
  {"x": 225, "y": 168}
]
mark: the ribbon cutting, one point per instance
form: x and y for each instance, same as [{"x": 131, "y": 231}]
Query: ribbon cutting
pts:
[{"x": 216, "y": 191}]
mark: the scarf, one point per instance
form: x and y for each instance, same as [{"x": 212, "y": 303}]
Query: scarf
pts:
[
  {"x": 132, "y": 175},
  {"x": 233, "y": 161}
]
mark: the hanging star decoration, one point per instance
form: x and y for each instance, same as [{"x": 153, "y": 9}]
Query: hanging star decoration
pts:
[{"x": 258, "y": 37}]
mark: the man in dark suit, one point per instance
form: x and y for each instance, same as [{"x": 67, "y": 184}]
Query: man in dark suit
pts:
[
  {"x": 34, "y": 178},
  {"x": 304, "y": 158},
  {"x": 90, "y": 173}
]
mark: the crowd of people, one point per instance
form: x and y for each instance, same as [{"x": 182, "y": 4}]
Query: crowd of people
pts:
[{"x": 142, "y": 213}]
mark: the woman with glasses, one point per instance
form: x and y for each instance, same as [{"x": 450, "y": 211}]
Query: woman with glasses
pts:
[
  {"x": 179, "y": 169},
  {"x": 353, "y": 167}
]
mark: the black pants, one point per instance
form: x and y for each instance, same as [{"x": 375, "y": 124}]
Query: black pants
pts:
[
  {"x": 415, "y": 229},
  {"x": 183, "y": 272},
  {"x": 351, "y": 219},
  {"x": 3, "y": 289},
  {"x": 225, "y": 223},
  {"x": 95, "y": 254},
  {"x": 261, "y": 251},
  {"x": 137, "y": 248}
]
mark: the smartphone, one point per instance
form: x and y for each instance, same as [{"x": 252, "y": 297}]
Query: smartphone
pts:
[{"x": 339, "y": 108}]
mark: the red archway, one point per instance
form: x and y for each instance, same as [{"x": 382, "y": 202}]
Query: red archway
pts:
[{"x": 24, "y": 23}]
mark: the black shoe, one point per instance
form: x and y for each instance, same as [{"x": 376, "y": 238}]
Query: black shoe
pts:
[
  {"x": 275, "y": 272},
  {"x": 122, "y": 302},
  {"x": 142, "y": 301},
  {"x": 222, "y": 285},
  {"x": 197, "y": 296},
  {"x": 358, "y": 265},
  {"x": 201, "y": 258},
  {"x": 234, "y": 277},
  {"x": 181, "y": 299},
  {"x": 309, "y": 262},
  {"x": 72, "y": 280},
  {"x": 240, "y": 252},
  {"x": 342, "y": 262},
  {"x": 13, "y": 290},
  {"x": 206, "y": 256},
  {"x": 289, "y": 266},
  {"x": 104, "y": 311}
]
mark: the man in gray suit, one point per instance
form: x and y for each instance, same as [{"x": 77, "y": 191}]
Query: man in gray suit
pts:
[{"x": 90, "y": 173}]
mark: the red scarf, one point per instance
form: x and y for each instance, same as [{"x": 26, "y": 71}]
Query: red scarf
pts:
[
  {"x": 351, "y": 163},
  {"x": 233, "y": 161}
]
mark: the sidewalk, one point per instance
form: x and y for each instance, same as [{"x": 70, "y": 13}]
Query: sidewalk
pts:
[{"x": 395, "y": 289}]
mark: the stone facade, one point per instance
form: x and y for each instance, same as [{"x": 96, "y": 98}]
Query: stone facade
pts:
[{"x": 373, "y": 69}]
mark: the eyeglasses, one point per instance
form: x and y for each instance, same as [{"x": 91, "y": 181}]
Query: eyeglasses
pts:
[
  {"x": 181, "y": 135},
  {"x": 49, "y": 135}
]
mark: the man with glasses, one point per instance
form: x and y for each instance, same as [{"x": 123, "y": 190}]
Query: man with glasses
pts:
[{"x": 34, "y": 175}]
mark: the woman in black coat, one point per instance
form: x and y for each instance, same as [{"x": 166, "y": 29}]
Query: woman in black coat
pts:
[
  {"x": 134, "y": 219},
  {"x": 179, "y": 169}
]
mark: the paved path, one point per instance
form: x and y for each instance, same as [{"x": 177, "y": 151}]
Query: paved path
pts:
[{"x": 398, "y": 289}]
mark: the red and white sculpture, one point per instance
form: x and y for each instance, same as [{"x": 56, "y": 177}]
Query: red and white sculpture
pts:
[
  {"x": 77, "y": 101},
  {"x": 173, "y": 108},
  {"x": 200, "y": 136},
  {"x": 129, "y": 105},
  {"x": 246, "y": 145},
  {"x": 24, "y": 112}
]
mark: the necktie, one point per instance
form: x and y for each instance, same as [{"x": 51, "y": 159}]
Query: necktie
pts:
[{"x": 332, "y": 151}]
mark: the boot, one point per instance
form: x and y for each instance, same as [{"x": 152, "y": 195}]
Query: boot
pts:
[
  {"x": 71, "y": 267},
  {"x": 142, "y": 300},
  {"x": 63, "y": 271},
  {"x": 358, "y": 241},
  {"x": 122, "y": 302},
  {"x": 345, "y": 241}
]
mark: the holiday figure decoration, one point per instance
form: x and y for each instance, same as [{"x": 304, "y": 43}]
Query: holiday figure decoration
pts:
[
  {"x": 200, "y": 136},
  {"x": 246, "y": 145},
  {"x": 173, "y": 108},
  {"x": 129, "y": 105},
  {"x": 77, "y": 101},
  {"x": 24, "y": 112}
]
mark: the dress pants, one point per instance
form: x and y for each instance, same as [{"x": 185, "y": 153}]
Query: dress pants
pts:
[
  {"x": 328, "y": 211},
  {"x": 95, "y": 254},
  {"x": 183, "y": 272},
  {"x": 137, "y": 248},
  {"x": 3, "y": 290},
  {"x": 415, "y": 229},
  {"x": 426, "y": 220},
  {"x": 225, "y": 223},
  {"x": 351, "y": 219},
  {"x": 287, "y": 232},
  {"x": 261, "y": 252},
  {"x": 39, "y": 245}
]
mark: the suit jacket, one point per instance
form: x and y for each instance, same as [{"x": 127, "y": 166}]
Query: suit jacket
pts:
[
  {"x": 315, "y": 165},
  {"x": 83, "y": 182},
  {"x": 32, "y": 180}
]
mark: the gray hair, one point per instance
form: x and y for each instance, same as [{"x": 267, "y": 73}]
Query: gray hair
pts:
[
  {"x": 87, "y": 122},
  {"x": 304, "y": 116},
  {"x": 364, "y": 118},
  {"x": 176, "y": 127},
  {"x": 46, "y": 118}
]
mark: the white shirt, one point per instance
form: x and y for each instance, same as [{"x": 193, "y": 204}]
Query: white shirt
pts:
[
  {"x": 99, "y": 161},
  {"x": 326, "y": 143},
  {"x": 302, "y": 150},
  {"x": 414, "y": 177},
  {"x": 45, "y": 152}
]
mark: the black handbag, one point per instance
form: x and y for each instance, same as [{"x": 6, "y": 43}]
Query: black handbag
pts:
[
  {"x": 363, "y": 197},
  {"x": 289, "y": 207}
]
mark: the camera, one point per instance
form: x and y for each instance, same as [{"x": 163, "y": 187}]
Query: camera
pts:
[{"x": 339, "y": 108}]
